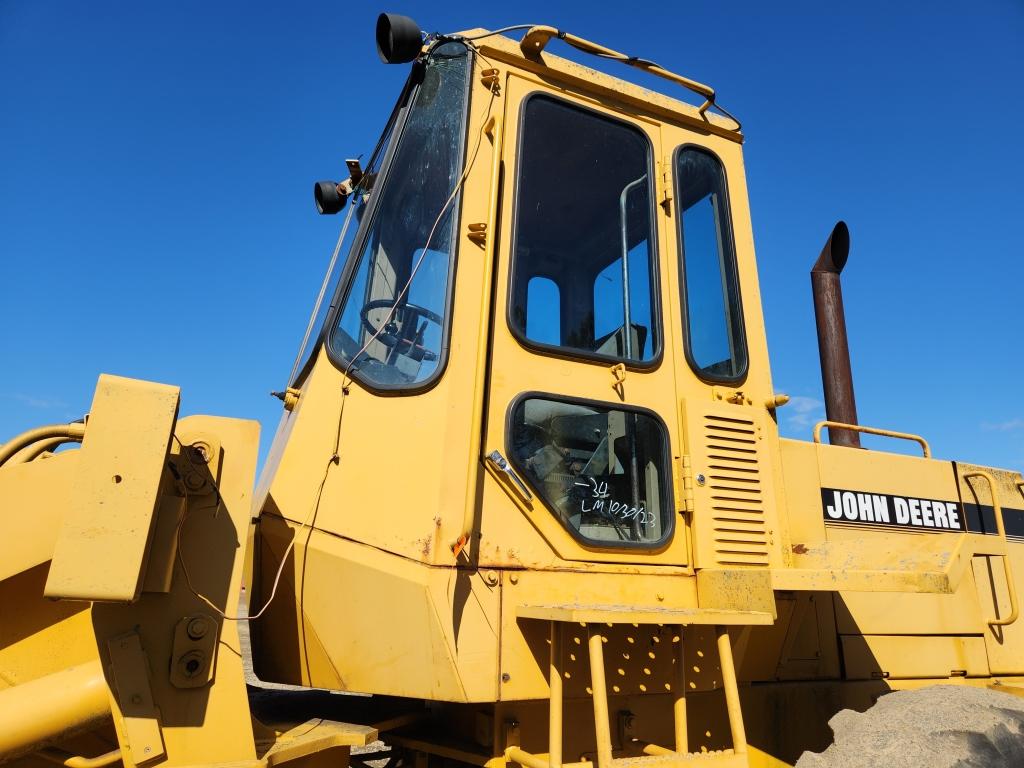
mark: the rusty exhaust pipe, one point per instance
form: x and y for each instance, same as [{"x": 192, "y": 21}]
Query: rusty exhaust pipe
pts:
[{"x": 833, "y": 348}]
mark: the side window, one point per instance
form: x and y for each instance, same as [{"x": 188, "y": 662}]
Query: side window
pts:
[
  {"x": 713, "y": 321},
  {"x": 602, "y": 470},
  {"x": 584, "y": 224}
]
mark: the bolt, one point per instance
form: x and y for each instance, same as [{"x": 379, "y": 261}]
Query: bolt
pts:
[
  {"x": 491, "y": 577},
  {"x": 505, "y": 677},
  {"x": 701, "y": 479},
  {"x": 514, "y": 578},
  {"x": 197, "y": 628},
  {"x": 191, "y": 664},
  {"x": 203, "y": 451}
]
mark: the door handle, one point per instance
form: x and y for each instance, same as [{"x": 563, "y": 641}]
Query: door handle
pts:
[{"x": 501, "y": 463}]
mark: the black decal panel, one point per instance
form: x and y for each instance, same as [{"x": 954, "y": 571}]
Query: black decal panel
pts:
[
  {"x": 982, "y": 519},
  {"x": 882, "y": 509}
]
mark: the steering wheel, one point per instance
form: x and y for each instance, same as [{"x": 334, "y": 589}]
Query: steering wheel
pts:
[{"x": 409, "y": 339}]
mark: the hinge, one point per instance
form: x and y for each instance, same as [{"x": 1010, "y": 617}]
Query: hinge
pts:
[
  {"x": 491, "y": 80},
  {"x": 734, "y": 396},
  {"x": 477, "y": 233},
  {"x": 666, "y": 185},
  {"x": 687, "y": 476},
  {"x": 618, "y": 372}
]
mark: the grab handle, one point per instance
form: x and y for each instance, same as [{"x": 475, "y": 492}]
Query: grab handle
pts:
[{"x": 1001, "y": 530}]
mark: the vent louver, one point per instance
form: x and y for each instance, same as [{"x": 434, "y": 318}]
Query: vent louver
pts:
[{"x": 734, "y": 489}]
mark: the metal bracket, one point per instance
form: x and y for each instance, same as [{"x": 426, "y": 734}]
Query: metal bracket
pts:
[
  {"x": 491, "y": 79},
  {"x": 734, "y": 396},
  {"x": 618, "y": 372},
  {"x": 477, "y": 233},
  {"x": 141, "y": 718},
  {"x": 666, "y": 185},
  {"x": 195, "y": 648}
]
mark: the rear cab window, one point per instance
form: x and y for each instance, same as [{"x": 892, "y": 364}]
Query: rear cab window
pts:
[{"x": 715, "y": 341}]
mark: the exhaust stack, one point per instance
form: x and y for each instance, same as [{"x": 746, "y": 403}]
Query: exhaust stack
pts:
[{"x": 833, "y": 348}]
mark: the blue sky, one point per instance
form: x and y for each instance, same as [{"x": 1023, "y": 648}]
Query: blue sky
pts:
[{"x": 156, "y": 162}]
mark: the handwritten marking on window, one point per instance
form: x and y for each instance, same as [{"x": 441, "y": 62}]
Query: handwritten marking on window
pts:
[{"x": 600, "y": 502}]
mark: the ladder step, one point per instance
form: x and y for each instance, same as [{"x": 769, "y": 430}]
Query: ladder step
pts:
[{"x": 640, "y": 614}]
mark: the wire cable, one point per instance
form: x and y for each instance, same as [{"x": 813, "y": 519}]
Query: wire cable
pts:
[{"x": 512, "y": 28}]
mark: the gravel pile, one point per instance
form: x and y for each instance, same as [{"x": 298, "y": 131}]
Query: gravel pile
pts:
[{"x": 941, "y": 726}]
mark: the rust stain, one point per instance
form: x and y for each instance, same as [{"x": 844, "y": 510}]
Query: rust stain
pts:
[{"x": 800, "y": 549}]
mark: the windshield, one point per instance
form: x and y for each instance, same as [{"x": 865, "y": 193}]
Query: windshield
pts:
[
  {"x": 356, "y": 208},
  {"x": 391, "y": 327}
]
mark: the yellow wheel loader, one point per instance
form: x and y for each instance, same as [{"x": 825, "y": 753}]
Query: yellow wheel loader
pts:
[{"x": 528, "y": 504}]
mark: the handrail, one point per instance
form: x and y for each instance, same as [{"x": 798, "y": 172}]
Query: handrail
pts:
[
  {"x": 537, "y": 38},
  {"x": 62, "y": 757},
  {"x": 1001, "y": 530},
  {"x": 14, "y": 445},
  {"x": 926, "y": 449},
  {"x": 37, "y": 449}
]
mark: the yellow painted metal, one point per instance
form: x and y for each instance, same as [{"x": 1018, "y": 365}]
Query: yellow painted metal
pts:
[
  {"x": 869, "y": 558},
  {"x": 37, "y": 449},
  {"x": 319, "y": 637},
  {"x": 517, "y": 755},
  {"x": 913, "y": 656},
  {"x": 410, "y": 567},
  {"x": 101, "y": 549},
  {"x": 211, "y": 723},
  {"x": 63, "y": 431},
  {"x": 315, "y": 737},
  {"x": 537, "y": 38},
  {"x": 1004, "y": 644},
  {"x": 493, "y": 129},
  {"x": 732, "y": 697},
  {"x": 602, "y": 727},
  {"x": 51, "y": 707},
  {"x": 567, "y": 75},
  {"x": 925, "y": 448},
  {"x": 138, "y": 716},
  {"x": 32, "y": 501},
  {"x": 736, "y": 589},
  {"x": 1000, "y": 621},
  {"x": 60, "y": 757},
  {"x": 640, "y": 614},
  {"x": 679, "y": 720},
  {"x": 555, "y": 697}
]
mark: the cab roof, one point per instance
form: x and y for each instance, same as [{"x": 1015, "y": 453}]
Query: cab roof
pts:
[{"x": 584, "y": 79}]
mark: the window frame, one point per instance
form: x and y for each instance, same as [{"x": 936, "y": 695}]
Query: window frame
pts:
[
  {"x": 567, "y": 353},
  {"x": 666, "y": 467},
  {"x": 414, "y": 83},
  {"x": 729, "y": 243}
]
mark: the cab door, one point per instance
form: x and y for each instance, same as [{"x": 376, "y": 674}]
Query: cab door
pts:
[
  {"x": 581, "y": 434},
  {"x": 727, "y": 422}
]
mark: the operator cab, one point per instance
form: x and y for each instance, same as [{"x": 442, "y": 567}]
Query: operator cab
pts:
[{"x": 553, "y": 252}]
